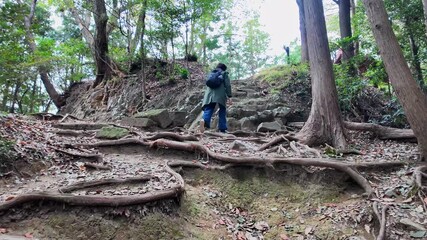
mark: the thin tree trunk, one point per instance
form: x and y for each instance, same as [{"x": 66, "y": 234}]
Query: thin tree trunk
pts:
[
  {"x": 57, "y": 99},
  {"x": 142, "y": 19},
  {"x": 324, "y": 124},
  {"x": 33, "y": 95},
  {"x": 355, "y": 27},
  {"x": 303, "y": 30},
  {"x": 410, "y": 95},
  {"x": 15, "y": 96},
  {"x": 345, "y": 28},
  {"x": 425, "y": 14},
  {"x": 84, "y": 29},
  {"x": 416, "y": 59},
  {"x": 6, "y": 95}
]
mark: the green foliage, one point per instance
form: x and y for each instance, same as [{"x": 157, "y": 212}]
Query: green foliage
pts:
[
  {"x": 7, "y": 154},
  {"x": 182, "y": 72}
]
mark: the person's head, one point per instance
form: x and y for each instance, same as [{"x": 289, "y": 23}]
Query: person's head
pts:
[{"x": 222, "y": 66}]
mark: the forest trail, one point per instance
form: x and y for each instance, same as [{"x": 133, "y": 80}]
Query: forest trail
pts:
[
  {"x": 248, "y": 201},
  {"x": 240, "y": 185}
]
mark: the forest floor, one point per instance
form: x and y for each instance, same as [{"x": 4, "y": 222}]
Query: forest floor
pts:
[{"x": 231, "y": 201}]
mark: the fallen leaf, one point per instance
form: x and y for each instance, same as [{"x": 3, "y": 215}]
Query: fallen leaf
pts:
[
  {"x": 221, "y": 222},
  {"x": 367, "y": 228},
  {"x": 308, "y": 230},
  {"x": 418, "y": 234},
  {"x": 28, "y": 235},
  {"x": 3, "y": 230},
  {"x": 10, "y": 197},
  {"x": 284, "y": 237}
]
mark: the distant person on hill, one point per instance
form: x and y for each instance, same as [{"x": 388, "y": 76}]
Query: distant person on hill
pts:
[{"x": 217, "y": 91}]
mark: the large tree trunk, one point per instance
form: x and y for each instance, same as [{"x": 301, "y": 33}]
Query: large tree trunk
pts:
[
  {"x": 411, "y": 97},
  {"x": 324, "y": 125},
  {"x": 103, "y": 64},
  {"x": 303, "y": 30},
  {"x": 345, "y": 28},
  {"x": 57, "y": 99}
]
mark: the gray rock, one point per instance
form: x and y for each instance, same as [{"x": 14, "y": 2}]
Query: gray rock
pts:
[
  {"x": 269, "y": 127},
  {"x": 281, "y": 112},
  {"x": 240, "y": 146},
  {"x": 112, "y": 133},
  {"x": 138, "y": 122},
  {"x": 160, "y": 116},
  {"x": 247, "y": 125},
  {"x": 178, "y": 118}
]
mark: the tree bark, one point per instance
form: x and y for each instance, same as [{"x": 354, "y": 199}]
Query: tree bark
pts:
[
  {"x": 324, "y": 124},
  {"x": 410, "y": 95},
  {"x": 57, "y": 99},
  {"x": 425, "y": 14},
  {"x": 84, "y": 29},
  {"x": 303, "y": 30},
  {"x": 103, "y": 68},
  {"x": 345, "y": 28},
  {"x": 353, "y": 14}
]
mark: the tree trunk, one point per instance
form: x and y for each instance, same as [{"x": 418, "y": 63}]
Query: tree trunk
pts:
[
  {"x": 410, "y": 95},
  {"x": 84, "y": 29},
  {"x": 103, "y": 69},
  {"x": 416, "y": 64},
  {"x": 425, "y": 14},
  {"x": 303, "y": 30},
  {"x": 345, "y": 28},
  {"x": 142, "y": 17},
  {"x": 57, "y": 99},
  {"x": 355, "y": 27},
  {"x": 324, "y": 125},
  {"x": 15, "y": 95}
]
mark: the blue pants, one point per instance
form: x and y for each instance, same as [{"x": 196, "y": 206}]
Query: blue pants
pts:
[{"x": 208, "y": 111}]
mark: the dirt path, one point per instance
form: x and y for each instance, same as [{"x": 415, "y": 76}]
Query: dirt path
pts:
[{"x": 249, "y": 202}]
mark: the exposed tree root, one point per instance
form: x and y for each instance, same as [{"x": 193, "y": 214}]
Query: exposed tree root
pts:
[
  {"x": 91, "y": 157},
  {"x": 173, "y": 136},
  {"x": 92, "y": 200},
  {"x": 69, "y": 116},
  {"x": 382, "y": 132},
  {"x": 102, "y": 182},
  {"x": 182, "y": 163},
  {"x": 418, "y": 177},
  {"x": 96, "y": 166},
  {"x": 381, "y": 219},
  {"x": 81, "y": 126},
  {"x": 192, "y": 147},
  {"x": 273, "y": 142},
  {"x": 109, "y": 201},
  {"x": 74, "y": 133},
  {"x": 109, "y": 143},
  {"x": 47, "y": 116}
]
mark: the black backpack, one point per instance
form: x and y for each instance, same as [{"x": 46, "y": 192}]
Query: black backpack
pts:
[{"x": 215, "y": 78}]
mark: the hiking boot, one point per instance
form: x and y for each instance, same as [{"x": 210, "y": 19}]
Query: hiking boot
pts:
[{"x": 202, "y": 126}]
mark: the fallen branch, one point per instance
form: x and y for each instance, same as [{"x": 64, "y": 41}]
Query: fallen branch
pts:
[
  {"x": 102, "y": 182},
  {"x": 96, "y": 166},
  {"x": 382, "y": 132}
]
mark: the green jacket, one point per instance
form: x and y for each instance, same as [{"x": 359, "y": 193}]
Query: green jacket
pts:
[{"x": 218, "y": 95}]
